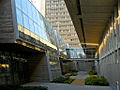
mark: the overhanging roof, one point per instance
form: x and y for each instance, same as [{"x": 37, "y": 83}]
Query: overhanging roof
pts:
[{"x": 90, "y": 18}]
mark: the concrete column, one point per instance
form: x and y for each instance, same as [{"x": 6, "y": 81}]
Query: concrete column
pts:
[{"x": 38, "y": 68}]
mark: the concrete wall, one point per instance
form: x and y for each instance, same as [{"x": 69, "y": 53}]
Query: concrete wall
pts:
[
  {"x": 109, "y": 56},
  {"x": 38, "y": 68},
  {"x": 85, "y": 66},
  {"x": 7, "y": 33},
  {"x": 68, "y": 66}
]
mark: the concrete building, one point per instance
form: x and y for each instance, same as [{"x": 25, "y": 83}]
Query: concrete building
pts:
[
  {"x": 98, "y": 22},
  {"x": 28, "y": 49},
  {"x": 57, "y": 14}
]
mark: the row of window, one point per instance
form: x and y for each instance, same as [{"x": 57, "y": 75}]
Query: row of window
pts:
[{"x": 30, "y": 18}]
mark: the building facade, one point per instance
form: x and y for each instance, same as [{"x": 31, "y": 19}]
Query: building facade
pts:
[
  {"x": 109, "y": 50},
  {"x": 57, "y": 14},
  {"x": 28, "y": 49}
]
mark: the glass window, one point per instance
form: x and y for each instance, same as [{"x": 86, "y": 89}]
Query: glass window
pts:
[
  {"x": 24, "y": 5},
  {"x": 31, "y": 25},
  {"x": 33, "y": 11},
  {"x": 36, "y": 28},
  {"x": 18, "y": 4},
  {"x": 19, "y": 17},
  {"x": 39, "y": 30},
  {"x": 29, "y": 6},
  {"x": 26, "y": 22}
]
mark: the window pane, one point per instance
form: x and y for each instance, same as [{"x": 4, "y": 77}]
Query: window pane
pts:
[
  {"x": 31, "y": 25},
  {"x": 29, "y": 9},
  {"x": 19, "y": 17},
  {"x": 26, "y": 23},
  {"x": 18, "y": 4},
  {"x": 24, "y": 6}
]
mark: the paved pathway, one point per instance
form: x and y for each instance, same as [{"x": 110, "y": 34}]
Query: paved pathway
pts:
[
  {"x": 80, "y": 82},
  {"x": 56, "y": 86},
  {"x": 81, "y": 75}
]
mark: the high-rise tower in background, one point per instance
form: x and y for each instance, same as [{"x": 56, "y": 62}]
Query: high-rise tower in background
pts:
[
  {"x": 58, "y": 15},
  {"x": 55, "y": 11}
]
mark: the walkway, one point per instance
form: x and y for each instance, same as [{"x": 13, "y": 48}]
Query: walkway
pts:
[
  {"x": 56, "y": 86},
  {"x": 81, "y": 75},
  {"x": 75, "y": 86}
]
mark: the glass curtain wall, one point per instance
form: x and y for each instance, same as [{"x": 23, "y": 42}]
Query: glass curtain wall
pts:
[
  {"x": 75, "y": 53},
  {"x": 30, "y": 21}
]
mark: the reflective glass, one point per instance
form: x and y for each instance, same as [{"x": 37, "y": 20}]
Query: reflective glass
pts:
[
  {"x": 19, "y": 17},
  {"x": 30, "y": 18},
  {"x": 31, "y": 23},
  {"x": 24, "y": 6},
  {"x": 29, "y": 6},
  {"x": 26, "y": 22},
  {"x": 35, "y": 28},
  {"x": 18, "y": 4}
]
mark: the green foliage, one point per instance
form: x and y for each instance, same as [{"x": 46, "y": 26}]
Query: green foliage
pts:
[
  {"x": 74, "y": 74},
  {"x": 96, "y": 81},
  {"x": 60, "y": 79},
  {"x": 63, "y": 80},
  {"x": 69, "y": 81},
  {"x": 22, "y": 88},
  {"x": 93, "y": 72}
]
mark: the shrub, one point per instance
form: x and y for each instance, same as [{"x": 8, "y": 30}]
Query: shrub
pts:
[
  {"x": 96, "y": 81},
  {"x": 69, "y": 81},
  {"x": 63, "y": 80},
  {"x": 60, "y": 80},
  {"x": 93, "y": 72},
  {"x": 74, "y": 74}
]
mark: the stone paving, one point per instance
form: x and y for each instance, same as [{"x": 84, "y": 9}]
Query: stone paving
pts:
[
  {"x": 79, "y": 82},
  {"x": 81, "y": 75},
  {"x": 58, "y": 86}
]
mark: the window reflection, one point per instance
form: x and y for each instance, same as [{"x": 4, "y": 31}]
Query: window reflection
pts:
[{"x": 30, "y": 19}]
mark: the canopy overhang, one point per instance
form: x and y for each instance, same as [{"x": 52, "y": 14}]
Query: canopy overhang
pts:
[{"x": 90, "y": 18}]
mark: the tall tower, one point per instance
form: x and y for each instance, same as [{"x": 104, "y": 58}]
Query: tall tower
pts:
[{"x": 57, "y": 14}]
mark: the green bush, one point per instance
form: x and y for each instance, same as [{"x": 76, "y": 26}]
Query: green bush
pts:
[
  {"x": 74, "y": 74},
  {"x": 93, "y": 72},
  {"x": 63, "y": 80},
  {"x": 69, "y": 81},
  {"x": 60, "y": 79},
  {"x": 96, "y": 81}
]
